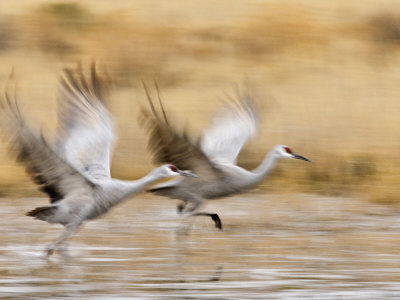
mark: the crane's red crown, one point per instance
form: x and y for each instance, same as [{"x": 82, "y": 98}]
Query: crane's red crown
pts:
[
  {"x": 173, "y": 168},
  {"x": 288, "y": 150}
]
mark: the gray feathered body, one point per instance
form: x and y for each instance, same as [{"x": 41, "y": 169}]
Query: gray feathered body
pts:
[{"x": 229, "y": 180}]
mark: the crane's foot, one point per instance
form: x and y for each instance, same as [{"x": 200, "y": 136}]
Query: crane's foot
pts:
[
  {"x": 50, "y": 250},
  {"x": 180, "y": 207},
  {"x": 217, "y": 221},
  {"x": 214, "y": 217}
]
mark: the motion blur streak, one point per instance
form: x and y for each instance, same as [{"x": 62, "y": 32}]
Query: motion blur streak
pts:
[{"x": 327, "y": 73}]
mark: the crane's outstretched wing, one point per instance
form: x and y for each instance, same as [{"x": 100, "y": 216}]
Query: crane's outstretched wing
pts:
[
  {"x": 55, "y": 176},
  {"x": 170, "y": 146},
  {"x": 231, "y": 129},
  {"x": 86, "y": 132}
]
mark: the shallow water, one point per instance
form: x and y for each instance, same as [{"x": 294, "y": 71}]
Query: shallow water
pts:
[{"x": 272, "y": 247}]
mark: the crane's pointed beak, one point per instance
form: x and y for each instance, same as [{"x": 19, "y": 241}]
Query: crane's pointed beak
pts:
[
  {"x": 301, "y": 157},
  {"x": 187, "y": 173}
]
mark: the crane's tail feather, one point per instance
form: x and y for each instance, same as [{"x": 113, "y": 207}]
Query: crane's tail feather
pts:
[{"x": 42, "y": 213}]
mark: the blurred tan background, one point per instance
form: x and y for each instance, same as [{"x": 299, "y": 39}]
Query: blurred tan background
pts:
[{"x": 327, "y": 75}]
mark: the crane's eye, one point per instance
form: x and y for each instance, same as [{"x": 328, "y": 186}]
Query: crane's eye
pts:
[
  {"x": 288, "y": 150},
  {"x": 173, "y": 168}
]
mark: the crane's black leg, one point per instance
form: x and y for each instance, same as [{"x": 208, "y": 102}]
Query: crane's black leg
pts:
[
  {"x": 214, "y": 217},
  {"x": 217, "y": 221},
  {"x": 195, "y": 204}
]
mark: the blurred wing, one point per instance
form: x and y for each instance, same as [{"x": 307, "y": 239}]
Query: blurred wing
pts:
[
  {"x": 54, "y": 176},
  {"x": 231, "y": 129},
  {"x": 86, "y": 132},
  {"x": 169, "y": 146}
]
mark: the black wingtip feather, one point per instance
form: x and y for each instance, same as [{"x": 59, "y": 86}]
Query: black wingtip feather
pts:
[{"x": 42, "y": 213}]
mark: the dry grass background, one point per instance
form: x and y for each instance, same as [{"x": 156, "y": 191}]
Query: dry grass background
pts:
[{"x": 326, "y": 73}]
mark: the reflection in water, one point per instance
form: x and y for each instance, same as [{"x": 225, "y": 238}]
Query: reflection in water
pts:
[{"x": 272, "y": 247}]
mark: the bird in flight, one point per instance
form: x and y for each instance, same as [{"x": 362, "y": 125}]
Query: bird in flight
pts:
[
  {"x": 213, "y": 157},
  {"x": 75, "y": 170}
]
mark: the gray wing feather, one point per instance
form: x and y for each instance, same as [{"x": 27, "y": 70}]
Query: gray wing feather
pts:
[
  {"x": 231, "y": 129},
  {"x": 86, "y": 131},
  {"x": 54, "y": 176},
  {"x": 168, "y": 145}
]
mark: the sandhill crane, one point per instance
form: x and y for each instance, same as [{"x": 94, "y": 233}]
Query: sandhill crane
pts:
[
  {"x": 213, "y": 158},
  {"x": 76, "y": 172}
]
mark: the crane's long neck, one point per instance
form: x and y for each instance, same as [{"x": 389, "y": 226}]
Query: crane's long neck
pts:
[
  {"x": 136, "y": 186},
  {"x": 265, "y": 167},
  {"x": 123, "y": 189}
]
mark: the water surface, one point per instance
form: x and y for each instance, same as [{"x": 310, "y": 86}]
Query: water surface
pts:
[{"x": 272, "y": 247}]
